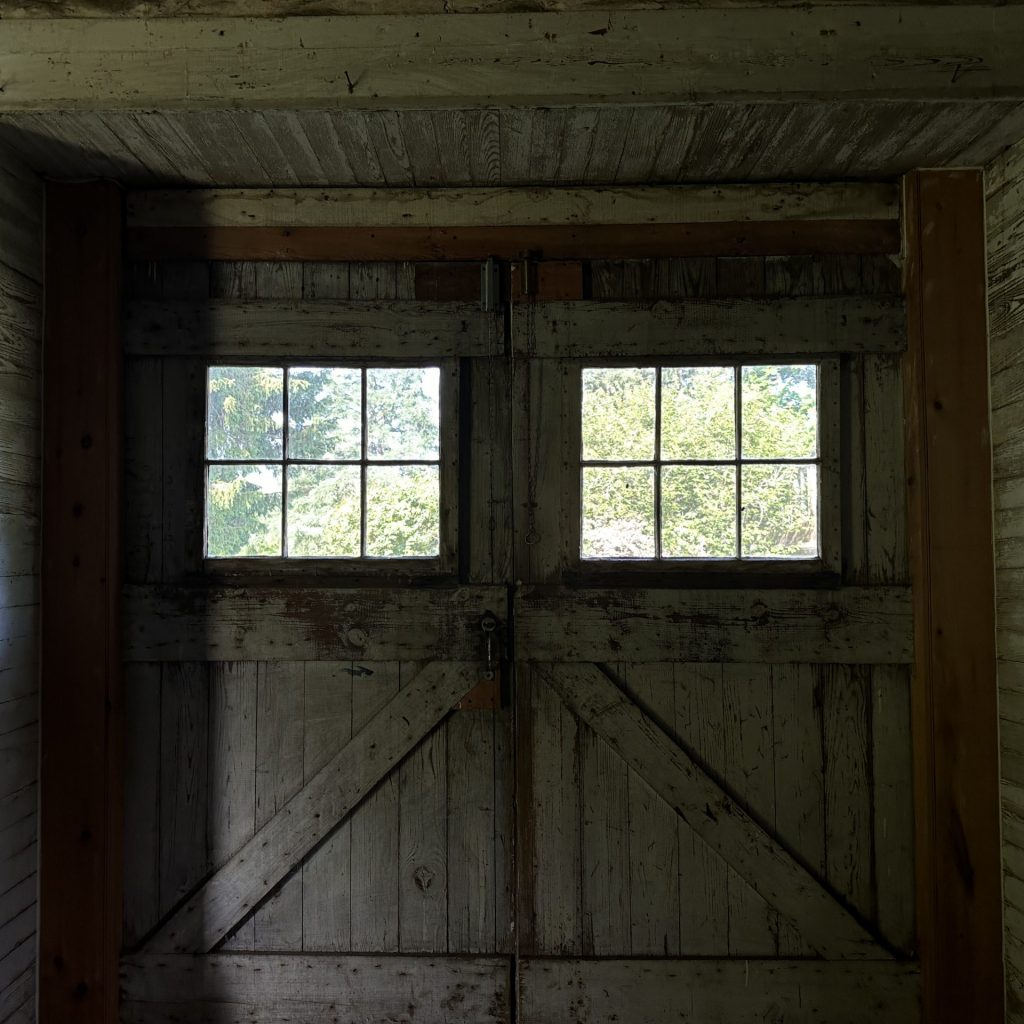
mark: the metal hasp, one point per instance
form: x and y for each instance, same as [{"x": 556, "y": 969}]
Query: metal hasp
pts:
[{"x": 486, "y": 695}]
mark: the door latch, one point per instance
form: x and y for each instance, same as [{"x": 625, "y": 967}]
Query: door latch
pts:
[{"x": 486, "y": 695}]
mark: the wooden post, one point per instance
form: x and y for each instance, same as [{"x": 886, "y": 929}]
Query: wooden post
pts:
[
  {"x": 950, "y": 511},
  {"x": 80, "y": 826}
]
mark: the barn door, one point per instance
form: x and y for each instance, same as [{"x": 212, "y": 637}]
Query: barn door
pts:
[
  {"x": 713, "y": 638},
  {"x": 317, "y": 772}
]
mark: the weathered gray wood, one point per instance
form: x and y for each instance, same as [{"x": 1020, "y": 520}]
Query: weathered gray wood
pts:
[
  {"x": 823, "y": 53},
  {"x": 272, "y": 328},
  {"x": 375, "y": 826},
  {"x": 280, "y": 716},
  {"x": 326, "y": 873},
  {"x": 703, "y": 874},
  {"x": 277, "y": 848},
  {"x": 748, "y": 728},
  {"x": 847, "y": 744},
  {"x": 555, "y": 856},
  {"x": 489, "y": 207},
  {"x": 654, "y": 892},
  {"x": 719, "y": 327},
  {"x": 423, "y": 842},
  {"x": 234, "y": 776},
  {"x": 717, "y": 991},
  {"x": 853, "y": 625},
  {"x": 232, "y": 988},
  {"x": 143, "y": 470},
  {"x": 473, "y": 846},
  {"x": 307, "y": 624},
  {"x": 711, "y": 811}
]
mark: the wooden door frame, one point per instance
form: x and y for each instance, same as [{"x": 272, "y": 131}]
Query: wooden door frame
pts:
[{"x": 954, "y": 692}]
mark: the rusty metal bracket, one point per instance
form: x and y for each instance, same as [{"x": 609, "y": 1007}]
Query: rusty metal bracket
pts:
[{"x": 485, "y": 696}]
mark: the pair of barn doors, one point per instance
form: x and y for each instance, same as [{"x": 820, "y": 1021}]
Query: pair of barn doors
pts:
[{"x": 687, "y": 797}]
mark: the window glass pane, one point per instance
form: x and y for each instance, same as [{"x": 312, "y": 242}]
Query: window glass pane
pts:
[
  {"x": 243, "y": 511},
  {"x": 780, "y": 511},
  {"x": 698, "y": 512},
  {"x": 402, "y": 512},
  {"x": 698, "y": 419},
  {"x": 618, "y": 512},
  {"x": 780, "y": 412},
  {"x": 618, "y": 413},
  {"x": 403, "y": 412},
  {"x": 245, "y": 412},
  {"x": 325, "y": 419},
  {"x": 323, "y": 511}
]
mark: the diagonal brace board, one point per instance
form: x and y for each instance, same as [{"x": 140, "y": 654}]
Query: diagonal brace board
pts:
[
  {"x": 712, "y": 813},
  {"x": 236, "y": 889}
]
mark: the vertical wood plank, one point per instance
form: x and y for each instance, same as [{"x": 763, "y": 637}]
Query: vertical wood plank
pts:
[
  {"x": 280, "y": 718},
  {"x": 556, "y": 852},
  {"x": 184, "y": 734},
  {"x": 653, "y": 832},
  {"x": 848, "y": 818},
  {"x": 374, "y": 871},
  {"x": 143, "y": 470},
  {"x": 326, "y": 874},
  {"x": 423, "y": 842},
  {"x": 142, "y": 800},
  {"x": 80, "y": 914},
  {"x": 954, "y": 692},
  {"x": 232, "y": 773},
  {"x": 799, "y": 777},
  {"x": 472, "y": 827},
  {"x": 753, "y": 925}
]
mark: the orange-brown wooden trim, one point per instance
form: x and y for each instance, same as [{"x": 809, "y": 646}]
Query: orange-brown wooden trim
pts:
[
  {"x": 950, "y": 520},
  {"x": 552, "y": 242},
  {"x": 80, "y": 820}
]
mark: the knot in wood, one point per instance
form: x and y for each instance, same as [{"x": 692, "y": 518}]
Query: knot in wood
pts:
[{"x": 423, "y": 877}]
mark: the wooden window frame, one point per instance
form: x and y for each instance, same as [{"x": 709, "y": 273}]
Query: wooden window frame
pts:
[
  {"x": 821, "y": 571},
  {"x": 361, "y": 568}
]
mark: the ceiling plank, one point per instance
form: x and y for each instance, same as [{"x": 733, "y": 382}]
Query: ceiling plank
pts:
[{"x": 371, "y": 62}]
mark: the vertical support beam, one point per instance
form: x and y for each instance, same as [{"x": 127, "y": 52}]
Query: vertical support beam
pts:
[
  {"x": 80, "y": 826},
  {"x": 950, "y": 518}
]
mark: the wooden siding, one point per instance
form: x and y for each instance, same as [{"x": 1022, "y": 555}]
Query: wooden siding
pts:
[
  {"x": 659, "y": 144},
  {"x": 1005, "y": 210},
  {"x": 21, "y": 213}
]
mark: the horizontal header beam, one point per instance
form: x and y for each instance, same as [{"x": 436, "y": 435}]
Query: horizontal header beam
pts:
[
  {"x": 442, "y": 61},
  {"x": 510, "y": 207}
]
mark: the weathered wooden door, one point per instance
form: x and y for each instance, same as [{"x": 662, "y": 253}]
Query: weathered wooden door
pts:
[
  {"x": 312, "y": 832},
  {"x": 713, "y": 777}
]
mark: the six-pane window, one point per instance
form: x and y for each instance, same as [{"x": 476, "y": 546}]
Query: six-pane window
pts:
[
  {"x": 323, "y": 461},
  {"x": 700, "y": 462}
]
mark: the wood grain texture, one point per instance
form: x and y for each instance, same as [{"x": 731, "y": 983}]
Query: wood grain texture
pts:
[
  {"x": 302, "y": 822},
  {"x": 713, "y": 991},
  {"x": 491, "y": 207},
  {"x": 719, "y": 327},
  {"x": 80, "y": 774},
  {"x": 307, "y": 624},
  {"x": 711, "y": 811},
  {"x": 955, "y": 692},
  {"x": 853, "y": 625},
  {"x": 317, "y": 989},
  {"x": 321, "y": 328},
  {"x": 825, "y": 52}
]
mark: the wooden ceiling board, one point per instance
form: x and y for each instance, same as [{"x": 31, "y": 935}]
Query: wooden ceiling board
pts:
[{"x": 643, "y": 144}]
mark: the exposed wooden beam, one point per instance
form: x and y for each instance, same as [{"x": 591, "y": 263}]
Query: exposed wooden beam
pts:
[
  {"x": 851, "y": 625},
  {"x": 237, "y": 887},
  {"x": 316, "y": 988},
  {"x": 955, "y": 717},
  {"x": 717, "y": 991},
  {"x": 718, "y": 327},
  {"x": 278, "y": 623},
  {"x": 308, "y": 328},
  {"x": 712, "y": 812},
  {"x": 80, "y": 839},
  {"x": 370, "y": 61},
  {"x": 509, "y": 207},
  {"x": 541, "y": 241}
]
